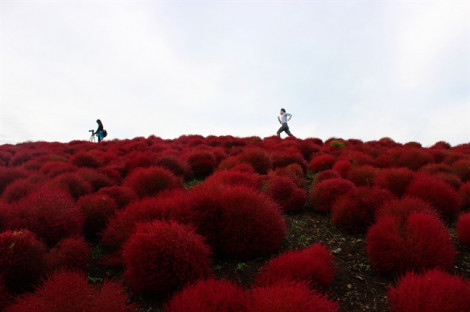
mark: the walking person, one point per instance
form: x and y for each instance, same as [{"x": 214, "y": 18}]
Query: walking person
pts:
[{"x": 283, "y": 119}]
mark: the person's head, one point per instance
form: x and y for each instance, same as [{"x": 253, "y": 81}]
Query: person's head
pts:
[
  {"x": 98, "y": 121},
  {"x": 283, "y": 111}
]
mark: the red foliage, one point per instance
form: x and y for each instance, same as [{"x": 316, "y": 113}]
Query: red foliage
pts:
[
  {"x": 462, "y": 169},
  {"x": 258, "y": 158},
  {"x": 8, "y": 175},
  {"x": 464, "y": 194},
  {"x": 342, "y": 166},
  {"x": 325, "y": 193},
  {"x": 239, "y": 222},
  {"x": 395, "y": 180},
  {"x": 96, "y": 179},
  {"x": 463, "y": 228},
  {"x": 122, "y": 195},
  {"x": 201, "y": 162},
  {"x": 22, "y": 259},
  {"x": 325, "y": 175},
  {"x": 440, "y": 194},
  {"x": 421, "y": 242},
  {"x": 209, "y": 296},
  {"x": 293, "y": 172},
  {"x": 50, "y": 213},
  {"x": 178, "y": 166},
  {"x": 232, "y": 177},
  {"x": 73, "y": 183},
  {"x": 18, "y": 189},
  {"x": 97, "y": 209},
  {"x": 432, "y": 291},
  {"x": 151, "y": 181},
  {"x": 139, "y": 159},
  {"x": 403, "y": 207},
  {"x": 314, "y": 265},
  {"x": 283, "y": 191},
  {"x": 55, "y": 168},
  {"x": 354, "y": 211},
  {"x": 68, "y": 291},
  {"x": 287, "y": 157},
  {"x": 83, "y": 159},
  {"x": 414, "y": 158},
  {"x": 289, "y": 296},
  {"x": 363, "y": 175},
  {"x": 163, "y": 257},
  {"x": 322, "y": 162},
  {"x": 4, "y": 295},
  {"x": 70, "y": 253}
]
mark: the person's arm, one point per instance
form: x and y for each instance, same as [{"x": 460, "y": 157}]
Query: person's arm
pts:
[
  {"x": 289, "y": 116},
  {"x": 279, "y": 119}
]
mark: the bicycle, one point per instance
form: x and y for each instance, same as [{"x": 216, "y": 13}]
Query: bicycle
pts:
[{"x": 92, "y": 136}]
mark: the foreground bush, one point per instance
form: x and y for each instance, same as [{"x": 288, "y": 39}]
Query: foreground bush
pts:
[
  {"x": 97, "y": 209},
  {"x": 285, "y": 192},
  {"x": 70, "y": 253},
  {"x": 209, "y": 296},
  {"x": 325, "y": 193},
  {"x": 68, "y": 291},
  {"x": 162, "y": 257},
  {"x": 395, "y": 180},
  {"x": 151, "y": 181},
  {"x": 402, "y": 208},
  {"x": 421, "y": 241},
  {"x": 289, "y": 296},
  {"x": 313, "y": 265},
  {"x": 50, "y": 213},
  {"x": 22, "y": 259},
  {"x": 463, "y": 228},
  {"x": 433, "y": 291}
]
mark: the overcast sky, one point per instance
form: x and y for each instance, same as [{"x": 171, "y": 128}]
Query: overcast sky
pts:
[{"x": 350, "y": 69}]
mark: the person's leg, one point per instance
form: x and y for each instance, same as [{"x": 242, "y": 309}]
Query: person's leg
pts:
[
  {"x": 280, "y": 130},
  {"x": 288, "y": 131}
]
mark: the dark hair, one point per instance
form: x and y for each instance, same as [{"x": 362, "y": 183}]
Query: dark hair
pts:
[
  {"x": 283, "y": 110},
  {"x": 98, "y": 121}
]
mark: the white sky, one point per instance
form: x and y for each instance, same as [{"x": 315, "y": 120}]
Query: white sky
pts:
[{"x": 351, "y": 69}]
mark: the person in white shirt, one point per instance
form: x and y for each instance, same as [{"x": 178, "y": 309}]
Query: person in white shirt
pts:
[{"x": 283, "y": 119}]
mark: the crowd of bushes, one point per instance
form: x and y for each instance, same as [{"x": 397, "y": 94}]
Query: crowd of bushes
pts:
[{"x": 161, "y": 211}]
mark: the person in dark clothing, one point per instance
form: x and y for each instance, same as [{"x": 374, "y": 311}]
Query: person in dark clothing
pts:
[
  {"x": 283, "y": 119},
  {"x": 100, "y": 131}
]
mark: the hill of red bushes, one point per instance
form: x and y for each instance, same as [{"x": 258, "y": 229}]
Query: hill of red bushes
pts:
[{"x": 234, "y": 224}]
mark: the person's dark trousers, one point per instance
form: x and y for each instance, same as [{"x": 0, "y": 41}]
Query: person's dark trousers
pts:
[{"x": 285, "y": 128}]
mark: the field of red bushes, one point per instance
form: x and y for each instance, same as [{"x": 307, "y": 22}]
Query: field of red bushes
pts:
[{"x": 224, "y": 224}]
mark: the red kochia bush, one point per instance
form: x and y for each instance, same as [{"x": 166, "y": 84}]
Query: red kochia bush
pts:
[
  {"x": 292, "y": 171},
  {"x": 403, "y": 207},
  {"x": 464, "y": 194},
  {"x": 232, "y": 177},
  {"x": 4, "y": 296},
  {"x": 421, "y": 242},
  {"x": 209, "y": 296},
  {"x": 325, "y": 193},
  {"x": 289, "y": 296},
  {"x": 97, "y": 209},
  {"x": 413, "y": 158},
  {"x": 463, "y": 228},
  {"x": 258, "y": 158},
  {"x": 201, "y": 162},
  {"x": 395, "y": 180},
  {"x": 326, "y": 175},
  {"x": 22, "y": 259},
  {"x": 432, "y": 291},
  {"x": 322, "y": 162},
  {"x": 162, "y": 257},
  {"x": 151, "y": 181},
  {"x": 440, "y": 194},
  {"x": 74, "y": 184},
  {"x": 343, "y": 167},
  {"x": 462, "y": 169},
  {"x": 8, "y": 175},
  {"x": 363, "y": 175},
  {"x": 314, "y": 265},
  {"x": 283, "y": 191},
  {"x": 17, "y": 190},
  {"x": 354, "y": 211},
  {"x": 68, "y": 291},
  {"x": 50, "y": 213},
  {"x": 85, "y": 160},
  {"x": 239, "y": 222},
  {"x": 70, "y": 253},
  {"x": 122, "y": 195}
]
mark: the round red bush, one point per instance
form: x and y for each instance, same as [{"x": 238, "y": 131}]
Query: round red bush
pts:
[
  {"x": 209, "y": 296},
  {"x": 22, "y": 259},
  {"x": 258, "y": 158},
  {"x": 354, "y": 211},
  {"x": 395, "y": 180},
  {"x": 440, "y": 194},
  {"x": 239, "y": 222},
  {"x": 50, "y": 213},
  {"x": 283, "y": 158},
  {"x": 73, "y": 183},
  {"x": 464, "y": 194},
  {"x": 413, "y": 158},
  {"x": 83, "y": 159},
  {"x": 463, "y": 228},
  {"x": 292, "y": 171},
  {"x": 326, "y": 175},
  {"x": 8, "y": 175},
  {"x": 421, "y": 242},
  {"x": 462, "y": 169},
  {"x": 97, "y": 209},
  {"x": 96, "y": 178},
  {"x": 402, "y": 208},
  {"x": 162, "y": 257},
  {"x": 343, "y": 167},
  {"x": 122, "y": 195},
  {"x": 55, "y": 168},
  {"x": 151, "y": 181},
  {"x": 322, "y": 162},
  {"x": 314, "y": 265},
  {"x": 289, "y": 296},
  {"x": 325, "y": 193},
  {"x": 18, "y": 189},
  {"x": 201, "y": 162},
  {"x": 232, "y": 177},
  {"x": 178, "y": 166},
  {"x": 432, "y": 291},
  {"x": 283, "y": 191},
  {"x": 68, "y": 291},
  {"x": 70, "y": 253},
  {"x": 363, "y": 175}
]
